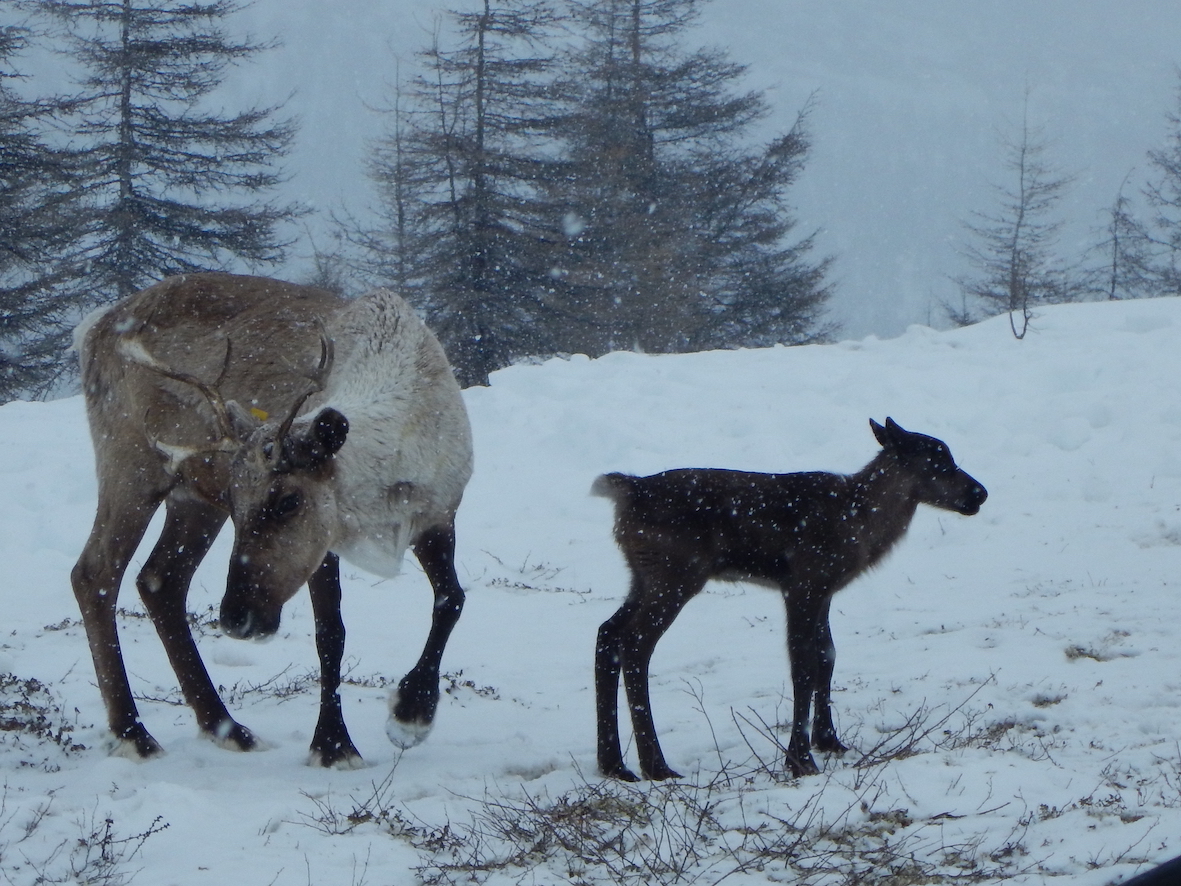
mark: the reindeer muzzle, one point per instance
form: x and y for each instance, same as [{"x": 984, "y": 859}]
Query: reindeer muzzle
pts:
[{"x": 245, "y": 620}]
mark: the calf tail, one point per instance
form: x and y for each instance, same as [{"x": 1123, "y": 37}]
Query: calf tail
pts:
[{"x": 612, "y": 486}]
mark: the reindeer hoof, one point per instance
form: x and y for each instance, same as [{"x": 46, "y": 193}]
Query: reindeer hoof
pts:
[
  {"x": 332, "y": 748},
  {"x": 234, "y": 736},
  {"x": 336, "y": 758},
  {"x": 406, "y": 735},
  {"x": 408, "y": 724},
  {"x": 135, "y": 744}
]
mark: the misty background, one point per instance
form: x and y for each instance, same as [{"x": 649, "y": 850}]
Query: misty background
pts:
[{"x": 913, "y": 98}]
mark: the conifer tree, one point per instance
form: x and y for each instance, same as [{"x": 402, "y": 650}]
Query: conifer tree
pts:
[
  {"x": 34, "y": 228},
  {"x": 678, "y": 232},
  {"x": 539, "y": 201},
  {"x": 1014, "y": 247},
  {"x": 457, "y": 175},
  {"x": 166, "y": 184}
]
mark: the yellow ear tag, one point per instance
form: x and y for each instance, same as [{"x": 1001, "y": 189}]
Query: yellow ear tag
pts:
[{"x": 260, "y": 414}]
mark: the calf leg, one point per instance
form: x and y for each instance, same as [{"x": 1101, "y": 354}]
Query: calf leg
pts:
[
  {"x": 824, "y": 733},
  {"x": 118, "y": 528},
  {"x": 331, "y": 744},
  {"x": 413, "y": 704},
  {"x": 659, "y": 602},
  {"x": 802, "y": 632},
  {"x": 190, "y": 528},
  {"x": 607, "y": 664}
]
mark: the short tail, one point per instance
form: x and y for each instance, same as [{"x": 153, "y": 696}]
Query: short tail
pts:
[
  {"x": 84, "y": 327},
  {"x": 612, "y": 486}
]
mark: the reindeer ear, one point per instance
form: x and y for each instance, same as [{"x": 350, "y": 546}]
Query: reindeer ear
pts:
[
  {"x": 331, "y": 428},
  {"x": 242, "y": 421},
  {"x": 317, "y": 442}
]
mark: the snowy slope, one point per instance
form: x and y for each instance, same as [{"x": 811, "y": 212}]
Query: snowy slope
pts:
[{"x": 1025, "y": 658}]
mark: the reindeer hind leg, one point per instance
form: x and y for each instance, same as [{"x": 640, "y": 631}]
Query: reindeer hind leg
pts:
[{"x": 121, "y": 519}]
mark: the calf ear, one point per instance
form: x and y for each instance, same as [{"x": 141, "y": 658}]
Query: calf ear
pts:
[
  {"x": 880, "y": 433},
  {"x": 892, "y": 436},
  {"x": 316, "y": 442}
]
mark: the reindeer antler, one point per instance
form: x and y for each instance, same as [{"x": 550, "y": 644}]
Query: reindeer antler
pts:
[
  {"x": 134, "y": 350},
  {"x": 318, "y": 380}
]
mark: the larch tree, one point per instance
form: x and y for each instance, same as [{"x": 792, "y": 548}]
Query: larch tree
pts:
[
  {"x": 676, "y": 231},
  {"x": 1014, "y": 247},
  {"x": 165, "y": 184},
  {"x": 35, "y": 187},
  {"x": 1123, "y": 260},
  {"x": 1163, "y": 193},
  {"x": 457, "y": 175}
]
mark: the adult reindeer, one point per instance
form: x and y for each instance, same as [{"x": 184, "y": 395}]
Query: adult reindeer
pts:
[
  {"x": 324, "y": 428},
  {"x": 807, "y": 534}
]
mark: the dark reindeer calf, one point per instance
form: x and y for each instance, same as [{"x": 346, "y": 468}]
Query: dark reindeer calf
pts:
[{"x": 807, "y": 534}]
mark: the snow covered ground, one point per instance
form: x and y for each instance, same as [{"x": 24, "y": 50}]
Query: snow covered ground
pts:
[{"x": 1010, "y": 683}]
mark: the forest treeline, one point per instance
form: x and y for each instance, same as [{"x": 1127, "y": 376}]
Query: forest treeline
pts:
[{"x": 555, "y": 176}]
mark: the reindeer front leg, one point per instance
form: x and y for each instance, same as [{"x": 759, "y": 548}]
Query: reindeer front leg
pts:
[
  {"x": 189, "y": 530},
  {"x": 331, "y": 744},
  {"x": 413, "y": 703}
]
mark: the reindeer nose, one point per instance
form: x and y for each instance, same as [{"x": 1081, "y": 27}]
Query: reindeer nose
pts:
[{"x": 242, "y": 621}]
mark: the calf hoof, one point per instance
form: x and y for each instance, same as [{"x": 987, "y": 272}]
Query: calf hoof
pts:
[
  {"x": 801, "y": 764},
  {"x": 830, "y": 744},
  {"x": 617, "y": 771},
  {"x": 660, "y": 773}
]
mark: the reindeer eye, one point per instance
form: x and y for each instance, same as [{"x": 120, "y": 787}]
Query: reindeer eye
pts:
[{"x": 286, "y": 505}]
